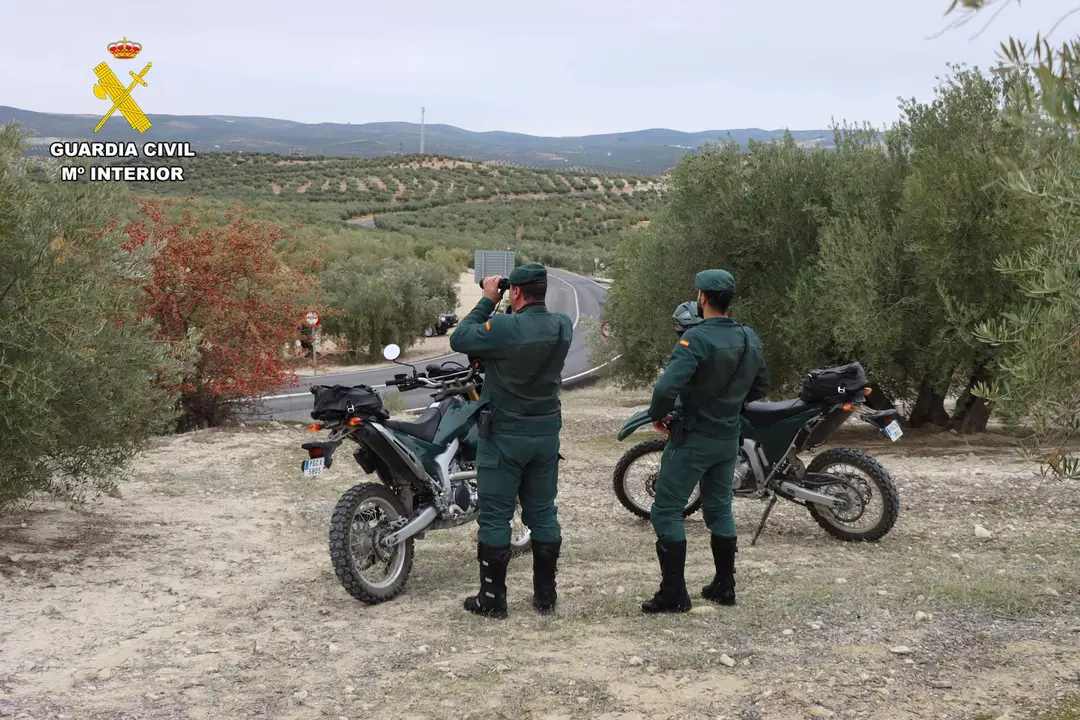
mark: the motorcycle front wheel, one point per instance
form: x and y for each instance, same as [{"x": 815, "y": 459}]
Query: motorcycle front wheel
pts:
[
  {"x": 640, "y": 466},
  {"x": 365, "y": 514}
]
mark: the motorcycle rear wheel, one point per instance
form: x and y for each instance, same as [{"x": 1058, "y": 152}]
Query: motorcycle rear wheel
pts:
[
  {"x": 876, "y": 480},
  {"x": 350, "y": 536},
  {"x": 620, "y": 480}
]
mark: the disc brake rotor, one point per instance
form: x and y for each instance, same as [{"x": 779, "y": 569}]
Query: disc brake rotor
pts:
[
  {"x": 385, "y": 554},
  {"x": 650, "y": 484},
  {"x": 366, "y": 541},
  {"x": 854, "y": 505}
]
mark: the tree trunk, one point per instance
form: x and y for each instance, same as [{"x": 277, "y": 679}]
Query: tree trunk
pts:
[
  {"x": 972, "y": 413},
  {"x": 929, "y": 407}
]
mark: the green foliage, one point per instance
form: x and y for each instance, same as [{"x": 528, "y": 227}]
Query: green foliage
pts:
[
  {"x": 375, "y": 304},
  {"x": 1038, "y": 379},
  {"x": 849, "y": 305},
  {"x": 77, "y": 399},
  {"x": 883, "y": 251},
  {"x": 919, "y": 223},
  {"x": 755, "y": 214}
]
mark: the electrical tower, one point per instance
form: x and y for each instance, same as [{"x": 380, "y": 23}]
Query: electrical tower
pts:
[{"x": 421, "y": 131}]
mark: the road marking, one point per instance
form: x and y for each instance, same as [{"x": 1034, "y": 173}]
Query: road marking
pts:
[
  {"x": 592, "y": 370},
  {"x": 577, "y": 308}
]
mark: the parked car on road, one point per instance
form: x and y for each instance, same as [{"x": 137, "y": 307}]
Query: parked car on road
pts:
[{"x": 445, "y": 322}]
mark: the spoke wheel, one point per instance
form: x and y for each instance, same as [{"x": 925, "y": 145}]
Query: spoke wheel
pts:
[
  {"x": 871, "y": 500},
  {"x": 635, "y": 477},
  {"x": 369, "y": 571}
]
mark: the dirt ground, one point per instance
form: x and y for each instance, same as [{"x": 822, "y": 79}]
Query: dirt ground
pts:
[
  {"x": 469, "y": 294},
  {"x": 206, "y": 591}
]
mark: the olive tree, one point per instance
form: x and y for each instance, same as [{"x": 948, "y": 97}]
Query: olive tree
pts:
[
  {"x": 81, "y": 377},
  {"x": 1038, "y": 373}
]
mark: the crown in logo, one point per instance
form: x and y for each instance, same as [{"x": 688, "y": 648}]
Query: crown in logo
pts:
[{"x": 124, "y": 49}]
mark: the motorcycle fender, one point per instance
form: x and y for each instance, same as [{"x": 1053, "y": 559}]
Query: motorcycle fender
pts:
[
  {"x": 327, "y": 448},
  {"x": 635, "y": 421}
]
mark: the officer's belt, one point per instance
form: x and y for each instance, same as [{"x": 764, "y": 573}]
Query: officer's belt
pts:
[{"x": 526, "y": 427}]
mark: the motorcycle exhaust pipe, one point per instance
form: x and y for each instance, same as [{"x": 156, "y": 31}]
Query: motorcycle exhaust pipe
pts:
[
  {"x": 415, "y": 526},
  {"x": 809, "y": 495}
]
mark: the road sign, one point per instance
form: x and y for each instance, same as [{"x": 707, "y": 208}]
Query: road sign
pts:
[
  {"x": 492, "y": 262},
  {"x": 312, "y": 318},
  {"x": 605, "y": 330}
]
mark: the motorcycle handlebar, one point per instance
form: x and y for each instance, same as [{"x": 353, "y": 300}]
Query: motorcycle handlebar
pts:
[{"x": 444, "y": 378}]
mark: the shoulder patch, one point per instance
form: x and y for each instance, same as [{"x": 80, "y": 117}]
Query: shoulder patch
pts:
[{"x": 684, "y": 343}]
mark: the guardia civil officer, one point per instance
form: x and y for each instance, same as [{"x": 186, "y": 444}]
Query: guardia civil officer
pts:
[
  {"x": 716, "y": 366},
  {"x": 520, "y": 419}
]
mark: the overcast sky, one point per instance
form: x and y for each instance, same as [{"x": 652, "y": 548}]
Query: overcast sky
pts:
[{"x": 558, "y": 67}]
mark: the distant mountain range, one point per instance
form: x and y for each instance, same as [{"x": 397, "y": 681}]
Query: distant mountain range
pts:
[{"x": 640, "y": 151}]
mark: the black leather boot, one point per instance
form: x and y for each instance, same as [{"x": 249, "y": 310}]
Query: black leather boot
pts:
[
  {"x": 491, "y": 600},
  {"x": 672, "y": 596},
  {"x": 722, "y": 588},
  {"x": 545, "y": 562}
]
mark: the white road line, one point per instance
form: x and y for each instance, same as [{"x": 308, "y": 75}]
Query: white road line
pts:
[
  {"x": 592, "y": 370},
  {"x": 577, "y": 307}
]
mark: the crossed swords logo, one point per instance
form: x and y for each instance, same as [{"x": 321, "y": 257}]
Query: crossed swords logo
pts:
[{"x": 109, "y": 86}]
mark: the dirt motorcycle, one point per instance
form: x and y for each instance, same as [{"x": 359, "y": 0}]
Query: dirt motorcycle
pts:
[
  {"x": 838, "y": 486},
  {"x": 426, "y": 471}
]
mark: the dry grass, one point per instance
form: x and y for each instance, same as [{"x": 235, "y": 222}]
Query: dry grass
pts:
[{"x": 206, "y": 592}]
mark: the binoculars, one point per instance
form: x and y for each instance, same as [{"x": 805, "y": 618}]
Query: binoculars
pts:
[{"x": 504, "y": 283}]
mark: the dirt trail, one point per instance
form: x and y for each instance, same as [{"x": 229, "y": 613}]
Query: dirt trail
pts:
[{"x": 206, "y": 592}]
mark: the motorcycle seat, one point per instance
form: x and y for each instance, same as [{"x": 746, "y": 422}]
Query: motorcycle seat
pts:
[
  {"x": 425, "y": 426},
  {"x": 760, "y": 414}
]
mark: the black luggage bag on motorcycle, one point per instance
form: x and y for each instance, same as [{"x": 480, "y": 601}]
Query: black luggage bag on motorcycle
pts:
[
  {"x": 337, "y": 403},
  {"x": 833, "y": 384}
]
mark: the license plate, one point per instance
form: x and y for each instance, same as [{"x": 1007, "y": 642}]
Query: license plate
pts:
[
  {"x": 893, "y": 431},
  {"x": 314, "y": 467}
]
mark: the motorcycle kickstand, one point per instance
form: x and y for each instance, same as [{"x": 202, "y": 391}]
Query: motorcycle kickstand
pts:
[{"x": 764, "y": 518}]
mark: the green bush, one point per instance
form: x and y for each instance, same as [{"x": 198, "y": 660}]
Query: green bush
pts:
[{"x": 77, "y": 368}]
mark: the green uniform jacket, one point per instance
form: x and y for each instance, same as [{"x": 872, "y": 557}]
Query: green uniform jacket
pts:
[
  {"x": 701, "y": 364},
  {"x": 515, "y": 348}
]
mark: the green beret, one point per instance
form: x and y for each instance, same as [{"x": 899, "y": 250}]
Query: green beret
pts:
[
  {"x": 715, "y": 281},
  {"x": 530, "y": 273}
]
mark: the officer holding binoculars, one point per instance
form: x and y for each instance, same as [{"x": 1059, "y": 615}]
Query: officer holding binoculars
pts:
[{"x": 520, "y": 420}]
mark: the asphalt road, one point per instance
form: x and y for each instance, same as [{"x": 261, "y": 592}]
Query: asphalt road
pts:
[{"x": 572, "y": 294}]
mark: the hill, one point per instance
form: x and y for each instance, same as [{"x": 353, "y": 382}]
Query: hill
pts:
[
  {"x": 640, "y": 151},
  {"x": 558, "y": 217}
]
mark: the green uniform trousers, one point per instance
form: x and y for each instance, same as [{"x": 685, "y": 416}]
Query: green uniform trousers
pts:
[
  {"x": 699, "y": 459},
  {"x": 513, "y": 467}
]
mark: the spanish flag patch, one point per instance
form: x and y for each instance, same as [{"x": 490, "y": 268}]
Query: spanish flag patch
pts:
[
  {"x": 684, "y": 343},
  {"x": 487, "y": 325}
]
